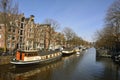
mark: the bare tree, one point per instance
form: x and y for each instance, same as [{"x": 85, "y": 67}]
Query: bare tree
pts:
[
  {"x": 54, "y": 25},
  {"x": 9, "y": 13},
  {"x": 105, "y": 37},
  {"x": 109, "y": 36},
  {"x": 76, "y": 40},
  {"x": 113, "y": 21},
  {"x": 69, "y": 34}
]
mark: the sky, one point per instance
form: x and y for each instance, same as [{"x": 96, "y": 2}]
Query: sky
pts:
[{"x": 84, "y": 17}]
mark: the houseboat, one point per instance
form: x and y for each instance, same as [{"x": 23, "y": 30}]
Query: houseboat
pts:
[
  {"x": 67, "y": 51},
  {"x": 48, "y": 56},
  {"x": 34, "y": 57}
]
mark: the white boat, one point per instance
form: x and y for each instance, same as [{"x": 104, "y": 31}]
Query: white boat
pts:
[
  {"x": 67, "y": 51},
  {"x": 77, "y": 52},
  {"x": 33, "y": 57}
]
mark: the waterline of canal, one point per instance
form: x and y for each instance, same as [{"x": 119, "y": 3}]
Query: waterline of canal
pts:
[{"x": 74, "y": 67}]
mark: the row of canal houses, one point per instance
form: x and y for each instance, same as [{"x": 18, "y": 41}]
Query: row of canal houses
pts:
[{"x": 25, "y": 34}]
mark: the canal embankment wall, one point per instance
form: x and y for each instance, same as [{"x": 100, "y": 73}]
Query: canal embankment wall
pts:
[
  {"x": 5, "y": 59},
  {"x": 103, "y": 53}
]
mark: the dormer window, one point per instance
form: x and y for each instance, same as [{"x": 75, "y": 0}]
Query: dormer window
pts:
[
  {"x": 21, "y": 25},
  {"x": 13, "y": 30},
  {"x": 22, "y": 20}
]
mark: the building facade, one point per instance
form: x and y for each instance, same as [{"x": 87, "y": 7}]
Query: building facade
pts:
[
  {"x": 2, "y": 31},
  {"x": 11, "y": 37},
  {"x": 24, "y": 34},
  {"x": 42, "y": 36}
]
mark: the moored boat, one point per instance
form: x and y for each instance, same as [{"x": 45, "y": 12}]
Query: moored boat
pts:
[
  {"x": 34, "y": 57},
  {"x": 77, "y": 49},
  {"x": 48, "y": 56},
  {"x": 25, "y": 57},
  {"x": 67, "y": 51}
]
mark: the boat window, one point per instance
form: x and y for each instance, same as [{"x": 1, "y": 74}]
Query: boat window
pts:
[
  {"x": 35, "y": 54},
  {"x": 28, "y": 54},
  {"x": 43, "y": 57},
  {"x": 32, "y": 54},
  {"x": 25, "y": 54},
  {"x": 46, "y": 57},
  {"x": 52, "y": 55}
]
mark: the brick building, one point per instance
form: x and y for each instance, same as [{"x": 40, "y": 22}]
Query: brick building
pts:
[
  {"x": 2, "y": 30},
  {"x": 24, "y": 34},
  {"x": 11, "y": 37},
  {"x": 42, "y": 35}
]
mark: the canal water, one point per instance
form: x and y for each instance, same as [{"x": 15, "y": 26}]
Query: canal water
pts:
[{"x": 83, "y": 66}]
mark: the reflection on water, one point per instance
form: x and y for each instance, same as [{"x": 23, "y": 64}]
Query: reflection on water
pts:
[{"x": 83, "y": 66}]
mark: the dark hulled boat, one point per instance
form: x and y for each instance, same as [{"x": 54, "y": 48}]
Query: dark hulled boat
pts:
[
  {"x": 34, "y": 57},
  {"x": 67, "y": 51}
]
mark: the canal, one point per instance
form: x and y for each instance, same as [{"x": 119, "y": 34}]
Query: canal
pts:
[{"x": 84, "y": 66}]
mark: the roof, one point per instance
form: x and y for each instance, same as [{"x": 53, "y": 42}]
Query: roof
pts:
[
  {"x": 28, "y": 51},
  {"x": 43, "y": 53}
]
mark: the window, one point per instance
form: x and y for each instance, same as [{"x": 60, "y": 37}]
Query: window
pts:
[
  {"x": 13, "y": 30},
  {"x": 21, "y": 25},
  {"x": 8, "y": 45},
  {"x": 0, "y": 36},
  {"x": 32, "y": 20},
  {"x": 20, "y": 39},
  {"x": 31, "y": 35},
  {"x": 30, "y": 42},
  {"x": 13, "y": 38},
  {"x": 9, "y": 30},
  {"x": 19, "y": 45},
  {"x": 9, "y": 36},
  {"x": 21, "y": 32},
  {"x": 31, "y": 30},
  {"x": 22, "y": 19},
  {"x": 13, "y": 44}
]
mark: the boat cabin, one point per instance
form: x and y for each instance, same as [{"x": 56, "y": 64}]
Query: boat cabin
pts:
[{"x": 23, "y": 55}]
